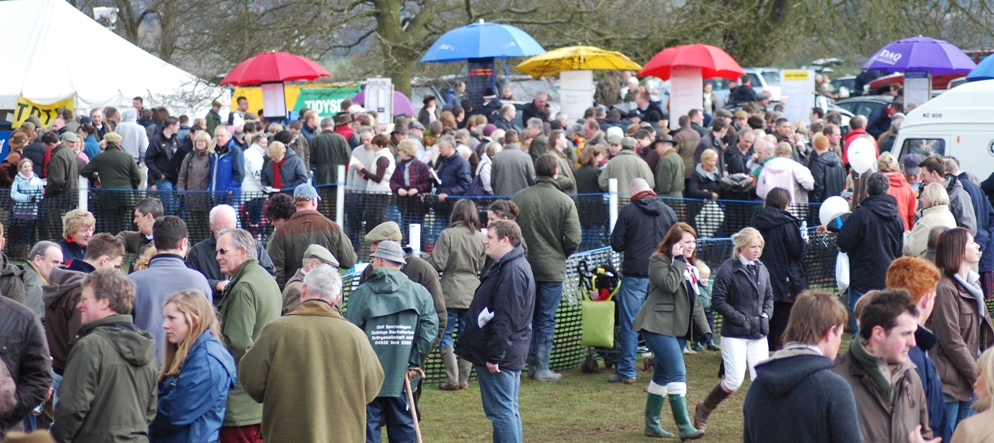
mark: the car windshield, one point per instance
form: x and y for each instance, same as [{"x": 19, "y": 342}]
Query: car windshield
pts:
[{"x": 772, "y": 78}]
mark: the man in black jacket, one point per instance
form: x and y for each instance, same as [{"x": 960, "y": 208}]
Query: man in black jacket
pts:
[
  {"x": 795, "y": 391},
  {"x": 498, "y": 331},
  {"x": 641, "y": 225},
  {"x": 202, "y": 257},
  {"x": 873, "y": 236},
  {"x": 827, "y": 170},
  {"x": 161, "y": 150}
]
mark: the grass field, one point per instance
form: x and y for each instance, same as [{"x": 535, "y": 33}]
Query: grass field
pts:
[{"x": 580, "y": 408}]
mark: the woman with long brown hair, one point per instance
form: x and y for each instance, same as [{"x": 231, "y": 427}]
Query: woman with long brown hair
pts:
[
  {"x": 459, "y": 254},
  {"x": 197, "y": 372},
  {"x": 671, "y": 314}
]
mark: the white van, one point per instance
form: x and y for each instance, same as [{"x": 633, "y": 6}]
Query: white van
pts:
[{"x": 959, "y": 123}]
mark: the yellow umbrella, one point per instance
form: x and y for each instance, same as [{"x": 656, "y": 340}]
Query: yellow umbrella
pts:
[{"x": 576, "y": 58}]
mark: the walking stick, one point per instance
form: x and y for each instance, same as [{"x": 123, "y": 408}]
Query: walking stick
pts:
[{"x": 410, "y": 400}]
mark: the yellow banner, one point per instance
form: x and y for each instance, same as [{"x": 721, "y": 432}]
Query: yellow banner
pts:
[
  {"x": 795, "y": 75},
  {"x": 26, "y": 108}
]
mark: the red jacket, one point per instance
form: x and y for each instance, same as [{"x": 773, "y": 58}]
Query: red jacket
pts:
[
  {"x": 907, "y": 204},
  {"x": 852, "y": 135}
]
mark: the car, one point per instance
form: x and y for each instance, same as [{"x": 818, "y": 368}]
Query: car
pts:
[
  {"x": 864, "y": 105},
  {"x": 763, "y": 80},
  {"x": 844, "y": 85}
]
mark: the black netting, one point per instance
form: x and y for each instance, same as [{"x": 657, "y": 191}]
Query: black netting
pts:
[{"x": 28, "y": 222}]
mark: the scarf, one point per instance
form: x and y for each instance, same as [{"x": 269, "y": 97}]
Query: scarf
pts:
[
  {"x": 713, "y": 175},
  {"x": 870, "y": 363},
  {"x": 972, "y": 285},
  {"x": 277, "y": 167},
  {"x": 26, "y": 177},
  {"x": 644, "y": 194},
  {"x": 691, "y": 275}
]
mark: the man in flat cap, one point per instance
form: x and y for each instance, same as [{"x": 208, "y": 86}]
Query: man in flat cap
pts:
[{"x": 314, "y": 256}]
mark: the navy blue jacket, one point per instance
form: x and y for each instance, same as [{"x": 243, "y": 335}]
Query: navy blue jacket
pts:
[
  {"x": 874, "y": 237},
  {"x": 985, "y": 222},
  {"x": 192, "y": 405},
  {"x": 797, "y": 398},
  {"x": 453, "y": 175},
  {"x": 927, "y": 371},
  {"x": 641, "y": 225},
  {"x": 71, "y": 251},
  {"x": 508, "y": 291}
]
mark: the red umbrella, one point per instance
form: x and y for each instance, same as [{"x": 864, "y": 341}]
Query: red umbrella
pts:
[
  {"x": 272, "y": 67},
  {"x": 713, "y": 62}
]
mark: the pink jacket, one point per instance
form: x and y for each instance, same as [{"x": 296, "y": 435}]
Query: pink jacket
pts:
[{"x": 787, "y": 174}]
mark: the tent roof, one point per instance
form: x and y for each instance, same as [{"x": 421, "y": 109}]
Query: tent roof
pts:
[{"x": 44, "y": 63}]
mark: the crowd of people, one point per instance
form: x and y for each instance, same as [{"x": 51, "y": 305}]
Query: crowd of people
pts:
[{"x": 208, "y": 340}]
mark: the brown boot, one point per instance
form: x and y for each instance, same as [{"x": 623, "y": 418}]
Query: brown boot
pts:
[
  {"x": 465, "y": 368},
  {"x": 705, "y": 408}
]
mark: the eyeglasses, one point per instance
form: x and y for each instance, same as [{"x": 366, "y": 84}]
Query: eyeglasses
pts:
[{"x": 224, "y": 251}]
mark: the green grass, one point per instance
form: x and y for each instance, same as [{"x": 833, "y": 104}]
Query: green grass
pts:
[{"x": 580, "y": 407}]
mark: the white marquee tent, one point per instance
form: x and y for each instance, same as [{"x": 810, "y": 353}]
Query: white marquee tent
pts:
[{"x": 53, "y": 52}]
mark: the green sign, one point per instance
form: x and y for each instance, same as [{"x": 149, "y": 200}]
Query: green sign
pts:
[{"x": 326, "y": 101}]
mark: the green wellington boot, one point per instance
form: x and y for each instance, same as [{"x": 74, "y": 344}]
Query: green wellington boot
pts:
[
  {"x": 682, "y": 418},
  {"x": 653, "y": 408}
]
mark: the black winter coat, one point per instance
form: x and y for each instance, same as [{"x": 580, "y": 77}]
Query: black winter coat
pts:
[
  {"x": 641, "y": 225},
  {"x": 784, "y": 252},
  {"x": 24, "y": 349},
  {"x": 874, "y": 237},
  {"x": 742, "y": 299},
  {"x": 701, "y": 186},
  {"x": 508, "y": 291},
  {"x": 830, "y": 176},
  {"x": 158, "y": 156}
]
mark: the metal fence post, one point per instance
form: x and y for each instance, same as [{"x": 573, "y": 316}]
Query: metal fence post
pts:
[
  {"x": 84, "y": 191},
  {"x": 612, "y": 189},
  {"x": 340, "y": 200}
]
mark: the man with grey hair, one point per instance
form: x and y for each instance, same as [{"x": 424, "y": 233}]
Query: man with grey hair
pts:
[
  {"x": 534, "y": 137},
  {"x": 201, "y": 256},
  {"x": 512, "y": 170},
  {"x": 314, "y": 256},
  {"x": 344, "y": 377},
  {"x": 462, "y": 136},
  {"x": 43, "y": 257},
  {"x": 248, "y": 303},
  {"x": 400, "y": 321},
  {"x": 507, "y": 114}
]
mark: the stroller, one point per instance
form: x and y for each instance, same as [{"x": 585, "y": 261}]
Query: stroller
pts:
[{"x": 598, "y": 285}]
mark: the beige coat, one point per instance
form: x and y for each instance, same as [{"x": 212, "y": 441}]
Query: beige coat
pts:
[
  {"x": 979, "y": 428},
  {"x": 916, "y": 240},
  {"x": 459, "y": 254}
]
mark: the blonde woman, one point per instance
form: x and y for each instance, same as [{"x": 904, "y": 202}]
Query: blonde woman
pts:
[
  {"x": 743, "y": 296},
  {"x": 980, "y": 427},
  {"x": 934, "y": 212},
  {"x": 285, "y": 169},
  {"x": 197, "y": 372},
  {"x": 195, "y": 175}
]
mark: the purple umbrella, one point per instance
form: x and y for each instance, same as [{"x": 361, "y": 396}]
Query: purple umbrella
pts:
[
  {"x": 401, "y": 104},
  {"x": 920, "y": 54}
]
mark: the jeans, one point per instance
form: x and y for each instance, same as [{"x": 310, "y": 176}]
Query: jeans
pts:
[
  {"x": 548, "y": 294},
  {"x": 854, "y": 296},
  {"x": 397, "y": 415},
  {"x": 499, "y": 393},
  {"x": 956, "y": 411},
  {"x": 457, "y": 318},
  {"x": 166, "y": 195},
  {"x": 739, "y": 354},
  {"x": 667, "y": 352},
  {"x": 630, "y": 298}
]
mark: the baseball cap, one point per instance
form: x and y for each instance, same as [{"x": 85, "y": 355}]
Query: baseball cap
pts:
[
  {"x": 911, "y": 162},
  {"x": 305, "y": 190}
]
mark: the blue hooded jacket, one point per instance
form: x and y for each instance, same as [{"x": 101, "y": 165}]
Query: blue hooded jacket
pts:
[
  {"x": 227, "y": 172},
  {"x": 192, "y": 405}
]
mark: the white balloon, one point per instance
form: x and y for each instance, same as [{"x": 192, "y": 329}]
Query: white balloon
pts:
[
  {"x": 862, "y": 154},
  {"x": 831, "y": 208}
]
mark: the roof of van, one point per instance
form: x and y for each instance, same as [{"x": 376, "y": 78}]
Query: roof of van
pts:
[{"x": 969, "y": 103}]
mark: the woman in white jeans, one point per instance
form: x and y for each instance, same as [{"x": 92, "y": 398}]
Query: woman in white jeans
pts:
[{"x": 744, "y": 297}]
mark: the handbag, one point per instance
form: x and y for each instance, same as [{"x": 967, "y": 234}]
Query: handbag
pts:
[
  {"x": 476, "y": 188},
  {"x": 709, "y": 219},
  {"x": 597, "y": 309},
  {"x": 8, "y": 389},
  {"x": 842, "y": 272}
]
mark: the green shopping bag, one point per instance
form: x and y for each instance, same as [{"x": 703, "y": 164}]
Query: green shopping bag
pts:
[{"x": 598, "y": 323}]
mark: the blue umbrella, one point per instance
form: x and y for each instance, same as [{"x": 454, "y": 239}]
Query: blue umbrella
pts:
[
  {"x": 920, "y": 54},
  {"x": 482, "y": 40},
  {"x": 983, "y": 71}
]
